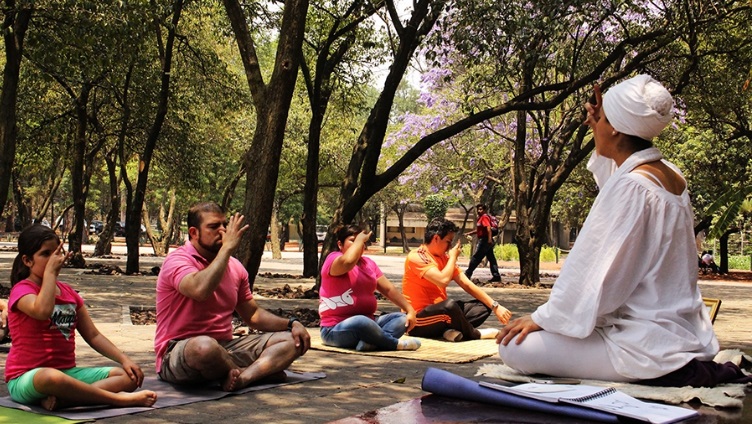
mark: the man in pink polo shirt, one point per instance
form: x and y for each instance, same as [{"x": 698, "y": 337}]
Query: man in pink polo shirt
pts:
[{"x": 199, "y": 286}]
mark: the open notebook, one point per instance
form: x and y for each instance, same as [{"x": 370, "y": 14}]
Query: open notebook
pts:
[{"x": 600, "y": 398}]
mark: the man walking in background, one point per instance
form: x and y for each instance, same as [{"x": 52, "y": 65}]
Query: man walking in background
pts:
[{"x": 485, "y": 246}]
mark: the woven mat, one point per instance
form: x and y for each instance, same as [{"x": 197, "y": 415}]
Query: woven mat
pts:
[
  {"x": 430, "y": 350},
  {"x": 724, "y": 395}
]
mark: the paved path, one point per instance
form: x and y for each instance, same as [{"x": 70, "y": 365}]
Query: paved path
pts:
[{"x": 354, "y": 384}]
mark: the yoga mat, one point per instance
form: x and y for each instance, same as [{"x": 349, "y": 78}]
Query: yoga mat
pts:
[
  {"x": 430, "y": 350},
  {"x": 167, "y": 395},
  {"x": 444, "y": 383}
]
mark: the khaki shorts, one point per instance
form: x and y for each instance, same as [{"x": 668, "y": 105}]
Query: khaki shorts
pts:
[{"x": 243, "y": 352}]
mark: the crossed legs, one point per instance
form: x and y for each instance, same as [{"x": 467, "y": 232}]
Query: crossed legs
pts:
[
  {"x": 64, "y": 390},
  {"x": 236, "y": 364}
]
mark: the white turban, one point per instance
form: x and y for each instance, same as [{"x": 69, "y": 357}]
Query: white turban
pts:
[{"x": 639, "y": 106}]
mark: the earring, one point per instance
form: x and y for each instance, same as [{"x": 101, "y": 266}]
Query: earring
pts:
[{"x": 613, "y": 133}]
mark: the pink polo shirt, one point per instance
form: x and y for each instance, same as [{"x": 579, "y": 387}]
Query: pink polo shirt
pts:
[{"x": 180, "y": 317}]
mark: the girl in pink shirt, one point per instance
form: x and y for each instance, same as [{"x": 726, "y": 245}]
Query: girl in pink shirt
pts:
[{"x": 43, "y": 316}]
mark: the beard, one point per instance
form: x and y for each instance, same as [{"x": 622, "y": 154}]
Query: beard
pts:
[{"x": 214, "y": 247}]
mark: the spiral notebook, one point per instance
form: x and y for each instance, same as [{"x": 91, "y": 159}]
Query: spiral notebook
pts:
[{"x": 600, "y": 398}]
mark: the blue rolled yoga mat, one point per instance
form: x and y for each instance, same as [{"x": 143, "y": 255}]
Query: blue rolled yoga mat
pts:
[{"x": 444, "y": 383}]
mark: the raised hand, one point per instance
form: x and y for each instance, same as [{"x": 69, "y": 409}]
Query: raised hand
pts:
[
  {"x": 594, "y": 110},
  {"x": 455, "y": 251},
  {"x": 233, "y": 232},
  {"x": 364, "y": 237},
  {"x": 57, "y": 260}
]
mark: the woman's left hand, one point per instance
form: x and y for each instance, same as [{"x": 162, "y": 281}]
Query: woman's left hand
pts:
[{"x": 519, "y": 327}]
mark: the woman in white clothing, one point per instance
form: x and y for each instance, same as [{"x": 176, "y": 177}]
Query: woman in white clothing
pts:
[{"x": 626, "y": 306}]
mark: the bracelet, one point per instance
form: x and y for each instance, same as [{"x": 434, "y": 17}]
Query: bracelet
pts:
[{"x": 290, "y": 321}]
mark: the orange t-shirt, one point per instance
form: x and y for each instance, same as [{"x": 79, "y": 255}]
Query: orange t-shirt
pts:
[{"x": 417, "y": 290}]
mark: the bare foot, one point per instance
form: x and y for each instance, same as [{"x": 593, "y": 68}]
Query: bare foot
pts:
[
  {"x": 50, "y": 403},
  {"x": 231, "y": 382},
  {"x": 140, "y": 398}
]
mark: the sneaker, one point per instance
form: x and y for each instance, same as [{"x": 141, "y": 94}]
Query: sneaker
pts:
[
  {"x": 488, "y": 333},
  {"x": 452, "y": 335},
  {"x": 495, "y": 280},
  {"x": 408, "y": 344}
]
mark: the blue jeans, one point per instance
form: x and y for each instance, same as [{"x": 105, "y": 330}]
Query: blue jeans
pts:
[{"x": 363, "y": 333}]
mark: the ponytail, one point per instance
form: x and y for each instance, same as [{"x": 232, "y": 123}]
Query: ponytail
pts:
[{"x": 19, "y": 271}]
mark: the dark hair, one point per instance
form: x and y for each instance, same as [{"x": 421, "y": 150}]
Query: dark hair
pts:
[
  {"x": 344, "y": 231},
  {"x": 481, "y": 205},
  {"x": 30, "y": 241},
  {"x": 639, "y": 143},
  {"x": 439, "y": 227},
  {"x": 194, "y": 213}
]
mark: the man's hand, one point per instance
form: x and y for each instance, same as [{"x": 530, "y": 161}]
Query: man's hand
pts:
[
  {"x": 520, "y": 328},
  {"x": 456, "y": 250},
  {"x": 301, "y": 337},
  {"x": 233, "y": 232},
  {"x": 503, "y": 314}
]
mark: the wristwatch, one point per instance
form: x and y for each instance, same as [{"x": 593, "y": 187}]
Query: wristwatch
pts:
[
  {"x": 494, "y": 305},
  {"x": 289, "y": 323}
]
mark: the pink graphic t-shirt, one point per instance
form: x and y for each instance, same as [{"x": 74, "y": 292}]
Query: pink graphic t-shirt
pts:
[
  {"x": 349, "y": 294},
  {"x": 42, "y": 343}
]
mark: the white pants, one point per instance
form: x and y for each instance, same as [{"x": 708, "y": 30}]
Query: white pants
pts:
[{"x": 560, "y": 356}]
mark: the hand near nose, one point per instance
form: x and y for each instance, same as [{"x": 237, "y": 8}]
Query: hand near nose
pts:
[
  {"x": 456, "y": 250},
  {"x": 364, "y": 237},
  {"x": 233, "y": 232},
  {"x": 594, "y": 110},
  {"x": 56, "y": 261}
]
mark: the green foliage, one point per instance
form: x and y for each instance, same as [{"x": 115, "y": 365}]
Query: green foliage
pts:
[
  {"x": 740, "y": 262},
  {"x": 435, "y": 206},
  {"x": 507, "y": 252},
  {"x": 727, "y": 207}
]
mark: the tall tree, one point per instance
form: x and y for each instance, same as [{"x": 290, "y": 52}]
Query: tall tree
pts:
[
  {"x": 15, "y": 23},
  {"x": 330, "y": 45},
  {"x": 272, "y": 102},
  {"x": 137, "y": 195}
]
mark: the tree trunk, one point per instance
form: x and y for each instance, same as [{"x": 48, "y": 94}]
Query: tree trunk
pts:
[
  {"x": 14, "y": 26},
  {"x": 400, "y": 209},
  {"x": 272, "y": 103},
  {"x": 23, "y": 206},
  {"x": 310, "y": 197},
  {"x": 104, "y": 244},
  {"x": 133, "y": 211},
  {"x": 78, "y": 177},
  {"x": 275, "y": 240},
  {"x": 723, "y": 241}
]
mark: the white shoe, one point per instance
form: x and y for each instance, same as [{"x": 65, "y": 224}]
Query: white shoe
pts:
[
  {"x": 452, "y": 335},
  {"x": 488, "y": 333}
]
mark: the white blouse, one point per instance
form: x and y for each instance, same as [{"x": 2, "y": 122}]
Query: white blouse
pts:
[{"x": 632, "y": 277}]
